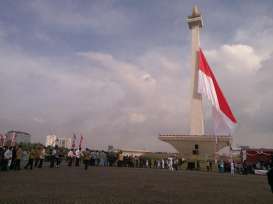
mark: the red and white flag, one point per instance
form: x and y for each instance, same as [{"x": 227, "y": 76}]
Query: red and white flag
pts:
[
  {"x": 223, "y": 118},
  {"x": 13, "y": 139},
  {"x": 81, "y": 139},
  {"x": 1, "y": 139},
  {"x": 74, "y": 141}
]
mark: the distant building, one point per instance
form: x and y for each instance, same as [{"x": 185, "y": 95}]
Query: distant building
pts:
[
  {"x": 20, "y": 137},
  {"x": 133, "y": 152},
  {"x": 254, "y": 155},
  {"x": 53, "y": 140}
]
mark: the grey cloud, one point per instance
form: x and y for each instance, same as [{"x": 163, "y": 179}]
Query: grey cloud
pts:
[
  {"x": 114, "y": 105},
  {"x": 101, "y": 17}
]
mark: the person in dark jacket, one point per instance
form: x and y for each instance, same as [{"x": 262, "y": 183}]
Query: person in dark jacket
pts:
[
  {"x": 270, "y": 176},
  {"x": 13, "y": 159}
]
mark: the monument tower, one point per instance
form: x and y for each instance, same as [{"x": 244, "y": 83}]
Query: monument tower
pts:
[
  {"x": 196, "y": 145},
  {"x": 197, "y": 119}
]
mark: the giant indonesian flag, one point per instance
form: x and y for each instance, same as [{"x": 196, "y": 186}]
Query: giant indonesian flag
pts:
[{"x": 223, "y": 118}]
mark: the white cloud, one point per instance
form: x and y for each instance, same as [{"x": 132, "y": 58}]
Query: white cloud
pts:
[
  {"x": 236, "y": 58},
  {"x": 97, "y": 56},
  {"x": 257, "y": 33},
  {"x": 137, "y": 117},
  {"x": 129, "y": 73},
  {"x": 39, "y": 120}
]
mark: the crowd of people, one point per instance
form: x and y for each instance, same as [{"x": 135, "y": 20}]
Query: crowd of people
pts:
[
  {"x": 103, "y": 158},
  {"x": 16, "y": 158},
  {"x": 243, "y": 168}
]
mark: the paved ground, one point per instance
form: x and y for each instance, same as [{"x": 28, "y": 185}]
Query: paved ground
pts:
[{"x": 124, "y": 185}]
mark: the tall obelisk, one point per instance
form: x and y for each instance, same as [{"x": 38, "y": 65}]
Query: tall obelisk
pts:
[
  {"x": 196, "y": 118},
  {"x": 196, "y": 145}
]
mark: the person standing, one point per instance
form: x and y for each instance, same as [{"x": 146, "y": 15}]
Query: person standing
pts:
[
  {"x": 245, "y": 171},
  {"x": 37, "y": 156},
  {"x": 18, "y": 158},
  {"x": 158, "y": 164},
  {"x": 147, "y": 163},
  {"x": 42, "y": 157},
  {"x": 2, "y": 151},
  {"x": 7, "y": 158},
  {"x": 270, "y": 175},
  {"x": 170, "y": 163},
  {"x": 163, "y": 163},
  {"x": 120, "y": 159},
  {"x": 175, "y": 163},
  {"x": 30, "y": 159},
  {"x": 232, "y": 168},
  {"x": 25, "y": 156},
  {"x": 86, "y": 158},
  {"x": 57, "y": 156},
  {"x": 270, "y": 178},
  {"x": 13, "y": 158},
  {"x": 222, "y": 166},
  {"x": 78, "y": 157},
  {"x": 70, "y": 156},
  {"x": 52, "y": 157},
  {"x": 208, "y": 166}
]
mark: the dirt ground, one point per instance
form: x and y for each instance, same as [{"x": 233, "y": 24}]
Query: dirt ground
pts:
[{"x": 126, "y": 185}]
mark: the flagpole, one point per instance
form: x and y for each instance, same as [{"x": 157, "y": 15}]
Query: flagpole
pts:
[{"x": 215, "y": 149}]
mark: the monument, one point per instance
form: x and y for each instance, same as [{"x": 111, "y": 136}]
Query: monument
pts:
[{"x": 197, "y": 145}]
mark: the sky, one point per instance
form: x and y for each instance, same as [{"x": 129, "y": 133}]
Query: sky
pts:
[{"x": 118, "y": 71}]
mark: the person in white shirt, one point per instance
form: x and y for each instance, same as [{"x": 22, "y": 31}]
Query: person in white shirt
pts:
[
  {"x": 158, "y": 164},
  {"x": 232, "y": 171},
  {"x": 70, "y": 156},
  {"x": 163, "y": 164},
  {"x": 42, "y": 157},
  {"x": 25, "y": 157},
  {"x": 170, "y": 164},
  {"x": 7, "y": 158},
  {"x": 147, "y": 163},
  {"x": 78, "y": 157}
]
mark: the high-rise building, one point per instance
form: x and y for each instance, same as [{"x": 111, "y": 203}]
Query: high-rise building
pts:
[
  {"x": 53, "y": 140},
  {"x": 20, "y": 137}
]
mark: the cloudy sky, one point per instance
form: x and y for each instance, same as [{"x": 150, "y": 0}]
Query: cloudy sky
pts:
[{"x": 119, "y": 71}]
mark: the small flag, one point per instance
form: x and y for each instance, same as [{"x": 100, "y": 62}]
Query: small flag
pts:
[
  {"x": 81, "y": 139},
  {"x": 74, "y": 141},
  {"x": 1, "y": 139},
  {"x": 13, "y": 139}
]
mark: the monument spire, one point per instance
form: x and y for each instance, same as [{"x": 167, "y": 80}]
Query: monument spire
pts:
[
  {"x": 196, "y": 145},
  {"x": 196, "y": 117},
  {"x": 195, "y": 11}
]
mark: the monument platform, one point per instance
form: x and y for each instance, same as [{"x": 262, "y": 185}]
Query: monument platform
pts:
[{"x": 197, "y": 147}]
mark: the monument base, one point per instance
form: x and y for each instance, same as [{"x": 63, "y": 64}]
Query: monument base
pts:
[{"x": 197, "y": 147}]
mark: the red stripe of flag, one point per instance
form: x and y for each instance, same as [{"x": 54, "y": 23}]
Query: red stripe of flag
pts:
[{"x": 223, "y": 104}]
